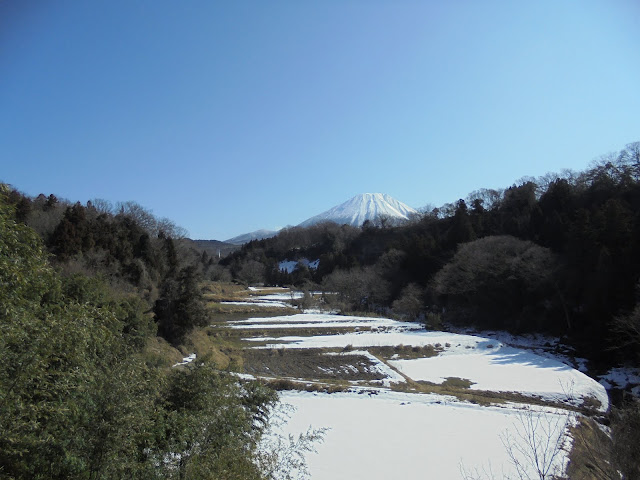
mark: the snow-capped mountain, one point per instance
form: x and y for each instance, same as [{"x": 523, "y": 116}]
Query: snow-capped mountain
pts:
[
  {"x": 366, "y": 206},
  {"x": 247, "y": 237}
]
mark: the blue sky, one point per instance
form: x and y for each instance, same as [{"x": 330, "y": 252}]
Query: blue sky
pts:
[{"x": 228, "y": 117}]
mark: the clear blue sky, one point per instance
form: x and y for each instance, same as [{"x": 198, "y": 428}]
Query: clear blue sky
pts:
[{"x": 232, "y": 116}]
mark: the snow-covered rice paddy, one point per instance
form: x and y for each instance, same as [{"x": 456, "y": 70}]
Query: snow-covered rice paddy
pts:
[
  {"x": 392, "y": 434},
  {"x": 260, "y": 304},
  {"x": 395, "y": 435},
  {"x": 507, "y": 369},
  {"x": 321, "y": 320}
]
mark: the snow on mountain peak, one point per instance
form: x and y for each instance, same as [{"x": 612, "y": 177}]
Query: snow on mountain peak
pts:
[{"x": 363, "y": 207}]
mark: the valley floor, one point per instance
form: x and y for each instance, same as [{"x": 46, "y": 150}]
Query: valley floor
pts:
[{"x": 408, "y": 403}]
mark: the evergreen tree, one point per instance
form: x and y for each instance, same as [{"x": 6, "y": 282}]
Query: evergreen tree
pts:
[{"x": 180, "y": 306}]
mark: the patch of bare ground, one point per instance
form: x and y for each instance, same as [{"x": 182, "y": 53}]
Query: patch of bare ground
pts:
[{"x": 310, "y": 364}]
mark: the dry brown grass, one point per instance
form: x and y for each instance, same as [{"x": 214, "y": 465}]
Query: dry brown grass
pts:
[
  {"x": 159, "y": 353},
  {"x": 288, "y": 384},
  {"x": 228, "y": 312},
  {"x": 309, "y": 364},
  {"x": 233, "y": 292},
  {"x": 590, "y": 453},
  {"x": 222, "y": 291},
  {"x": 216, "y": 293},
  {"x": 458, "y": 388},
  {"x": 268, "y": 291},
  {"x": 205, "y": 346},
  {"x": 457, "y": 382},
  {"x": 462, "y": 393}
]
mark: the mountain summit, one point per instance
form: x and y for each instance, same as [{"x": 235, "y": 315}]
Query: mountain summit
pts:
[{"x": 366, "y": 206}]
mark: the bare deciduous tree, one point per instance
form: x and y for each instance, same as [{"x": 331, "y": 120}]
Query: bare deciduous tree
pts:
[
  {"x": 282, "y": 457},
  {"x": 535, "y": 448},
  {"x": 139, "y": 214},
  {"x": 101, "y": 205}
]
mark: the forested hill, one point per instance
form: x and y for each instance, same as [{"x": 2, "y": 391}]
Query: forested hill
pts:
[
  {"x": 86, "y": 388},
  {"x": 557, "y": 254}
]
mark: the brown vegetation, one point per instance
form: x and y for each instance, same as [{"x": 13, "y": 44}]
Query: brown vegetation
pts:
[{"x": 310, "y": 364}]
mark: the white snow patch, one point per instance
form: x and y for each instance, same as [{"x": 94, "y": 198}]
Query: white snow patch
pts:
[
  {"x": 289, "y": 266},
  {"x": 312, "y": 320},
  {"x": 396, "y": 335},
  {"x": 319, "y": 318},
  {"x": 621, "y": 377},
  {"x": 260, "y": 304},
  {"x": 300, "y": 325},
  {"x": 279, "y": 297},
  {"x": 187, "y": 359},
  {"x": 398, "y": 435}
]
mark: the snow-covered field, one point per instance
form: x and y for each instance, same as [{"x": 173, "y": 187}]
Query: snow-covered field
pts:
[
  {"x": 407, "y": 436},
  {"x": 508, "y": 369},
  {"x": 392, "y": 434},
  {"x": 280, "y": 300},
  {"x": 260, "y": 304},
  {"x": 490, "y": 364},
  {"x": 313, "y": 320}
]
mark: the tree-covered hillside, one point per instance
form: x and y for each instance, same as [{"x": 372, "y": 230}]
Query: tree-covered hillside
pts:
[
  {"x": 558, "y": 254},
  {"x": 79, "y": 396}
]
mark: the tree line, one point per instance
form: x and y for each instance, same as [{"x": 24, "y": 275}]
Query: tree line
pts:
[
  {"x": 128, "y": 247},
  {"x": 557, "y": 254}
]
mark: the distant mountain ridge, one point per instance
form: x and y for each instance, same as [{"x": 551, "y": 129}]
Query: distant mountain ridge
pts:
[
  {"x": 247, "y": 237},
  {"x": 363, "y": 207},
  {"x": 214, "y": 248}
]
